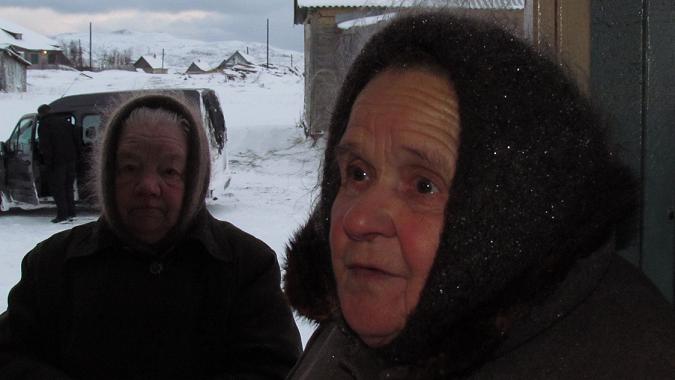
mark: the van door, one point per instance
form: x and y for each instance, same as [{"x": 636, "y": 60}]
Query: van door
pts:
[
  {"x": 19, "y": 162},
  {"x": 3, "y": 177}
]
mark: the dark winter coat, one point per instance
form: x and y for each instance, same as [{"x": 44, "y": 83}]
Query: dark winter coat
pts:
[
  {"x": 89, "y": 307},
  {"x": 58, "y": 140},
  {"x": 606, "y": 321}
]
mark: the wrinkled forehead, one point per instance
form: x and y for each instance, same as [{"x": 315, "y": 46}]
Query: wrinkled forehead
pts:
[
  {"x": 417, "y": 103},
  {"x": 154, "y": 122}
]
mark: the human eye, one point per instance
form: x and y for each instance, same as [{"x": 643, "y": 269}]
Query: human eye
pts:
[
  {"x": 426, "y": 186},
  {"x": 171, "y": 173},
  {"x": 127, "y": 167},
  {"x": 356, "y": 173}
]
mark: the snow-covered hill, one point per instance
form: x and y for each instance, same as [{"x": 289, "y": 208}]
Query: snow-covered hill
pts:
[{"x": 178, "y": 52}]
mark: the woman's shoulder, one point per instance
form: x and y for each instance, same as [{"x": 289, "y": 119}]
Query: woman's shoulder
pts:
[{"x": 624, "y": 329}]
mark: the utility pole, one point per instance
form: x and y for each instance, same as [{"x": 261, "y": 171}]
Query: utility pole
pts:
[
  {"x": 79, "y": 54},
  {"x": 268, "y": 43},
  {"x": 162, "y": 58},
  {"x": 91, "y": 66}
]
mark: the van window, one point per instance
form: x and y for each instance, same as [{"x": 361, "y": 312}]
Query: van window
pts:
[
  {"x": 70, "y": 118},
  {"x": 90, "y": 126},
  {"x": 20, "y": 139}
]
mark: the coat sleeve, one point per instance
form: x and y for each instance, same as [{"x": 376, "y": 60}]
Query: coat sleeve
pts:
[
  {"x": 21, "y": 338},
  {"x": 265, "y": 340},
  {"x": 45, "y": 142}
]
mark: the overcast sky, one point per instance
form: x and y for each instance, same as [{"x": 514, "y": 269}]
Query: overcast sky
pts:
[{"x": 209, "y": 20}]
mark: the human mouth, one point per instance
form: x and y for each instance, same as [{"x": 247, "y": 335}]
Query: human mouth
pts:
[
  {"x": 147, "y": 211},
  {"x": 369, "y": 272}
]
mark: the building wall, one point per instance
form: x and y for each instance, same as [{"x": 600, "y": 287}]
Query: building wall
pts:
[
  {"x": 143, "y": 65},
  {"x": 41, "y": 59},
  {"x": 321, "y": 73},
  {"x": 330, "y": 51},
  {"x": 633, "y": 81},
  {"x": 12, "y": 74},
  {"x": 237, "y": 59}
]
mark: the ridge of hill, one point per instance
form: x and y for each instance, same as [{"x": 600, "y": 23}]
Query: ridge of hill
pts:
[{"x": 178, "y": 52}]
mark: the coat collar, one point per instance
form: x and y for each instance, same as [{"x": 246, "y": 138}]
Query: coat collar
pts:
[
  {"x": 581, "y": 280},
  {"x": 101, "y": 238}
]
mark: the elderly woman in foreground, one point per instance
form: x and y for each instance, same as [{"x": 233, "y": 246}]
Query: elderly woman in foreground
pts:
[{"x": 466, "y": 222}]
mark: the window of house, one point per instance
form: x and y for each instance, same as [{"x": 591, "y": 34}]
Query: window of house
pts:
[
  {"x": 51, "y": 59},
  {"x": 34, "y": 58}
]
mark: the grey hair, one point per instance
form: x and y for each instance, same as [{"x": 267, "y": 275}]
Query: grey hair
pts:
[{"x": 144, "y": 115}]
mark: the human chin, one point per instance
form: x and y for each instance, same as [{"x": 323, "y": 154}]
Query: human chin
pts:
[
  {"x": 375, "y": 316},
  {"x": 147, "y": 226}
]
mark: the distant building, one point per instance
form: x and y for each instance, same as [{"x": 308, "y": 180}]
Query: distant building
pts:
[
  {"x": 12, "y": 70},
  {"x": 199, "y": 66},
  {"x": 41, "y": 52},
  {"x": 150, "y": 64},
  {"x": 236, "y": 59},
  {"x": 336, "y": 30}
]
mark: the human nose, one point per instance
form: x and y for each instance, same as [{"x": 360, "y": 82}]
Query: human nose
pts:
[
  {"x": 371, "y": 214},
  {"x": 148, "y": 184}
]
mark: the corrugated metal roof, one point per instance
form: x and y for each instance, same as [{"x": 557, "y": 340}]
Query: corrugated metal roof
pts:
[
  {"x": 365, "y": 21},
  {"x": 470, "y": 4}
]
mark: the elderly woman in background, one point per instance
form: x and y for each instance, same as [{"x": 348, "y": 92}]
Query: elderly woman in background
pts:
[
  {"x": 157, "y": 288},
  {"x": 466, "y": 221}
]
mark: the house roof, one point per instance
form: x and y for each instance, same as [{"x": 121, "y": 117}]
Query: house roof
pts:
[
  {"x": 302, "y": 7},
  {"x": 202, "y": 64},
  {"x": 247, "y": 57},
  {"x": 365, "y": 21},
  {"x": 16, "y": 35},
  {"x": 471, "y": 4},
  {"x": 15, "y": 55},
  {"x": 155, "y": 63}
]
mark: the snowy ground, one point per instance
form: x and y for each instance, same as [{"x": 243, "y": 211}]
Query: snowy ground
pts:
[{"x": 273, "y": 168}]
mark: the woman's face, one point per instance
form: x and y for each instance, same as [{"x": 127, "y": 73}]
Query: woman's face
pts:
[{"x": 397, "y": 161}]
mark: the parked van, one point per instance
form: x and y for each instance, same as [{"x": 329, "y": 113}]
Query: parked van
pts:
[{"x": 23, "y": 180}]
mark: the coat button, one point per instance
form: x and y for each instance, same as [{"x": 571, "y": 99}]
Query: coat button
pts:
[{"x": 156, "y": 267}]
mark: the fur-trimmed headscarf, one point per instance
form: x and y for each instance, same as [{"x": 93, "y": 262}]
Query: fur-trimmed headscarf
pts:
[
  {"x": 536, "y": 186},
  {"x": 197, "y": 173}
]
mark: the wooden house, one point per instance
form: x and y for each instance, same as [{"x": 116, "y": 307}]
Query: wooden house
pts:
[
  {"x": 150, "y": 64},
  {"x": 336, "y": 30},
  {"x": 41, "y": 52},
  {"x": 236, "y": 59},
  {"x": 12, "y": 70},
  {"x": 199, "y": 66}
]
